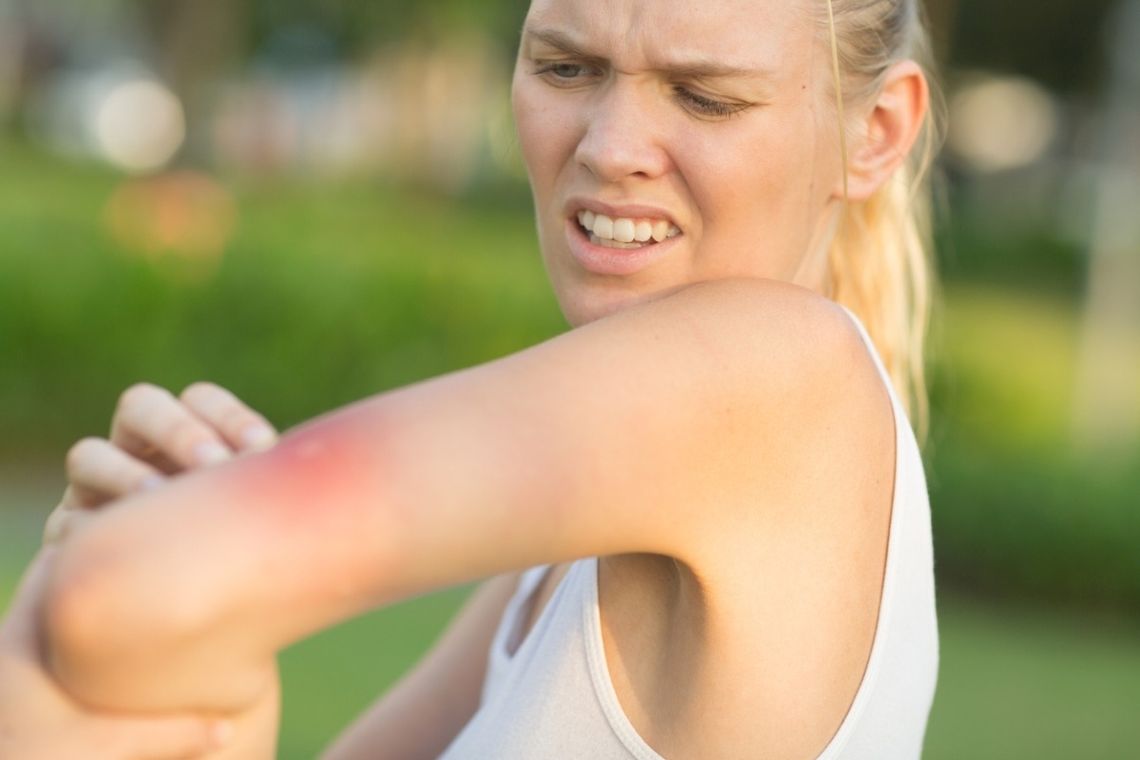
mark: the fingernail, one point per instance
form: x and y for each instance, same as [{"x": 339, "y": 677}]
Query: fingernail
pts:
[
  {"x": 151, "y": 482},
  {"x": 221, "y": 733},
  {"x": 210, "y": 452},
  {"x": 257, "y": 438}
]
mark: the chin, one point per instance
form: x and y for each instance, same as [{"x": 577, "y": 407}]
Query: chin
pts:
[
  {"x": 584, "y": 297},
  {"x": 582, "y": 303},
  {"x": 578, "y": 314}
]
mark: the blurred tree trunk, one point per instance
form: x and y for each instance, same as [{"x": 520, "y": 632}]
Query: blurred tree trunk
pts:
[
  {"x": 1108, "y": 404},
  {"x": 197, "y": 43},
  {"x": 943, "y": 14}
]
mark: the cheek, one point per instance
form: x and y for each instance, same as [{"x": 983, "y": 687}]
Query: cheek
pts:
[
  {"x": 528, "y": 123},
  {"x": 546, "y": 137},
  {"x": 755, "y": 199},
  {"x": 762, "y": 176}
]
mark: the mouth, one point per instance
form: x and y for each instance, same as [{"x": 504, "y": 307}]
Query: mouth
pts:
[
  {"x": 625, "y": 233},
  {"x": 611, "y": 245}
]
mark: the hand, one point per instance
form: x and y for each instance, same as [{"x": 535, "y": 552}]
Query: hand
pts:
[
  {"x": 155, "y": 435},
  {"x": 39, "y": 721}
]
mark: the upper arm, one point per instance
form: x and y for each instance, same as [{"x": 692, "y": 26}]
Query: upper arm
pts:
[
  {"x": 428, "y": 707},
  {"x": 643, "y": 432},
  {"x": 646, "y": 431}
]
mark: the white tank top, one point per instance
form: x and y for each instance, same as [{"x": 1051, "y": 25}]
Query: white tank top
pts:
[{"x": 553, "y": 698}]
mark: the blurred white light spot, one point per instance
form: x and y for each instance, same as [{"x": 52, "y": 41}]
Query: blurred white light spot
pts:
[
  {"x": 139, "y": 125},
  {"x": 999, "y": 123}
]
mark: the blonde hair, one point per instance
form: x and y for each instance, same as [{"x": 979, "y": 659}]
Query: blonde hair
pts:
[{"x": 878, "y": 264}]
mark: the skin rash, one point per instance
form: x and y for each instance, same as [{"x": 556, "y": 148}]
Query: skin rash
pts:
[
  {"x": 284, "y": 515},
  {"x": 313, "y": 465},
  {"x": 324, "y": 478}
]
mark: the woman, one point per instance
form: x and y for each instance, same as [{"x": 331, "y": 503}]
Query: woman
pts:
[{"x": 703, "y": 478}]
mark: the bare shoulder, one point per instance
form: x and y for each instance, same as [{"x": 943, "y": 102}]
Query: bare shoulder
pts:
[
  {"x": 802, "y": 391},
  {"x": 790, "y": 321},
  {"x": 790, "y": 346},
  {"x": 774, "y": 612}
]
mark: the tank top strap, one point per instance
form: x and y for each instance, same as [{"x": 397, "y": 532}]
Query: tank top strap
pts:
[{"x": 883, "y": 373}]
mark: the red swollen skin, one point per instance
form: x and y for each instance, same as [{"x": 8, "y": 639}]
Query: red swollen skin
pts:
[{"x": 319, "y": 503}]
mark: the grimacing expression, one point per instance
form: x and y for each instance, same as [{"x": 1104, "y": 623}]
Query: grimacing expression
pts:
[{"x": 698, "y": 129}]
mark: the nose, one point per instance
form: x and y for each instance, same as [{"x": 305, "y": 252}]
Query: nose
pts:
[{"x": 620, "y": 139}]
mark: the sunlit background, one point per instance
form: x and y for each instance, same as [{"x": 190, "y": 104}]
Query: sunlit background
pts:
[{"x": 309, "y": 202}]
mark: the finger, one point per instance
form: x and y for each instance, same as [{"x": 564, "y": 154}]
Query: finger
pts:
[
  {"x": 58, "y": 524},
  {"x": 99, "y": 471},
  {"x": 241, "y": 427},
  {"x": 64, "y": 522},
  {"x": 141, "y": 450},
  {"x": 151, "y": 423},
  {"x": 161, "y": 738},
  {"x": 70, "y": 500}
]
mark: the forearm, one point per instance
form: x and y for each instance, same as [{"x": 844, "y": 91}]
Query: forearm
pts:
[{"x": 180, "y": 598}]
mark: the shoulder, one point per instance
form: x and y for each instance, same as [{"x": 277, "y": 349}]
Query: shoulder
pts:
[
  {"x": 800, "y": 362},
  {"x": 752, "y": 324},
  {"x": 793, "y": 359},
  {"x": 752, "y": 354},
  {"x": 776, "y": 389}
]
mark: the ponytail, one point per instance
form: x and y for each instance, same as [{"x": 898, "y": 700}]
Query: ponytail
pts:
[
  {"x": 878, "y": 267},
  {"x": 878, "y": 263}
]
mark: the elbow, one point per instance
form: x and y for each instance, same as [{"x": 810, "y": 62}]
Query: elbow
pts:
[
  {"x": 81, "y": 630},
  {"x": 75, "y": 627},
  {"x": 104, "y": 627}
]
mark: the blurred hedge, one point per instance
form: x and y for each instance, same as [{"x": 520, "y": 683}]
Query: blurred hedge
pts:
[
  {"x": 328, "y": 293},
  {"x": 325, "y": 295},
  {"x": 1018, "y": 507}
]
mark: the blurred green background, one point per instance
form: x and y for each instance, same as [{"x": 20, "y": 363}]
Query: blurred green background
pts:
[{"x": 310, "y": 202}]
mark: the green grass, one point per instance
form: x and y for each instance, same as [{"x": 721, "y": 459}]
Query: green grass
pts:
[
  {"x": 329, "y": 679},
  {"x": 1025, "y": 682}
]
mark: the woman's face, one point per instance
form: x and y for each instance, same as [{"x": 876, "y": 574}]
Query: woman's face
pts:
[{"x": 698, "y": 125}]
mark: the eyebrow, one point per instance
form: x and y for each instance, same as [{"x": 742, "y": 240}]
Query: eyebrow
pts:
[{"x": 698, "y": 68}]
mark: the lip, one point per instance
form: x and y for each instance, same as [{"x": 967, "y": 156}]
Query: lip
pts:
[{"x": 614, "y": 261}]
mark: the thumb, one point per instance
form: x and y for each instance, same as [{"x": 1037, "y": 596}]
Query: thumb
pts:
[{"x": 164, "y": 738}]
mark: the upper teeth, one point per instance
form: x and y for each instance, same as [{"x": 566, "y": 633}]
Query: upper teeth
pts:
[{"x": 626, "y": 230}]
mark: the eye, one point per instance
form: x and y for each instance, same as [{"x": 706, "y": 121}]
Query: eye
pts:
[
  {"x": 562, "y": 73},
  {"x": 706, "y": 106}
]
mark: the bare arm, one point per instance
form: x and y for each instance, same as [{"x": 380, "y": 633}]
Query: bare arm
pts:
[
  {"x": 654, "y": 430},
  {"x": 429, "y": 706}
]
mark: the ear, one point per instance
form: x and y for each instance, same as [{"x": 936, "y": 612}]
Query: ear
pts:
[{"x": 887, "y": 132}]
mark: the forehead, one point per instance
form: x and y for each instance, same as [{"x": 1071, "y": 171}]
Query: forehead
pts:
[{"x": 757, "y": 34}]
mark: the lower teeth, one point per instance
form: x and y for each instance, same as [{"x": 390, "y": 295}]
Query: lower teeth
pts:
[{"x": 617, "y": 243}]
